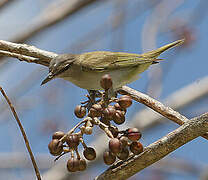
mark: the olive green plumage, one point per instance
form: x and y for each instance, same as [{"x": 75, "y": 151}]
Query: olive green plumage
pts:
[{"x": 85, "y": 70}]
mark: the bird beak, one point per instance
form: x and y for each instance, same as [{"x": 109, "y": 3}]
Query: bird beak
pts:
[{"x": 48, "y": 78}]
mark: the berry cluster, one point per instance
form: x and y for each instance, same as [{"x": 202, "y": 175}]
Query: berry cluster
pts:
[
  {"x": 119, "y": 146},
  {"x": 57, "y": 148},
  {"x": 101, "y": 113}
]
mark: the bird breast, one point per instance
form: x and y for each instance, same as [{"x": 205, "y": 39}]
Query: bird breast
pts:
[{"x": 91, "y": 79}]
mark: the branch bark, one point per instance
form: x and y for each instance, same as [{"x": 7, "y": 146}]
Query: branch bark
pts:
[
  {"x": 26, "y": 53},
  {"x": 156, "y": 106},
  {"x": 178, "y": 100},
  {"x": 157, "y": 150}
]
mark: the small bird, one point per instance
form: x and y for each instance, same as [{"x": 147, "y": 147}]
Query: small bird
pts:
[{"x": 86, "y": 70}]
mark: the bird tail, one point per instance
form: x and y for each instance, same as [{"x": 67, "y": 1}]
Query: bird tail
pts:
[{"x": 157, "y": 52}]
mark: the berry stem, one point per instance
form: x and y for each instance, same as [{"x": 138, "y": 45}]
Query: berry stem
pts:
[
  {"x": 77, "y": 152},
  {"x": 73, "y": 129},
  {"x": 83, "y": 143},
  {"x": 103, "y": 126}
]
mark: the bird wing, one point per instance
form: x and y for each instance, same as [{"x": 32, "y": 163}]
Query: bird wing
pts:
[{"x": 104, "y": 60}]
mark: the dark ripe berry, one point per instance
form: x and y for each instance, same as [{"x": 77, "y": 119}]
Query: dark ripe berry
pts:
[
  {"x": 108, "y": 157},
  {"x": 58, "y": 135},
  {"x": 118, "y": 107},
  {"x": 124, "y": 141},
  {"x": 124, "y": 154},
  {"x": 125, "y": 101},
  {"x": 109, "y": 112},
  {"x": 55, "y": 147},
  {"x": 72, "y": 140},
  {"x": 97, "y": 107},
  {"x": 115, "y": 145},
  {"x": 114, "y": 130},
  {"x": 73, "y": 164},
  {"x": 89, "y": 153},
  {"x": 105, "y": 121},
  {"x": 95, "y": 110},
  {"x": 82, "y": 165},
  {"x": 133, "y": 134},
  {"x": 80, "y": 111},
  {"x": 136, "y": 147},
  {"x": 106, "y": 82},
  {"x": 119, "y": 117}
]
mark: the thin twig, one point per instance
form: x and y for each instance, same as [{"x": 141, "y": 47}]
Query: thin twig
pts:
[
  {"x": 157, "y": 150},
  {"x": 103, "y": 126},
  {"x": 73, "y": 129},
  {"x": 23, "y": 134}
]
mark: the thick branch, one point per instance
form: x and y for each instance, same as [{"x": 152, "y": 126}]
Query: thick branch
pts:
[
  {"x": 23, "y": 58},
  {"x": 159, "y": 149},
  {"x": 26, "y": 53}
]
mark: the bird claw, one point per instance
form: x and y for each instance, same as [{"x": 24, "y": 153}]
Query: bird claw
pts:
[{"x": 93, "y": 94}]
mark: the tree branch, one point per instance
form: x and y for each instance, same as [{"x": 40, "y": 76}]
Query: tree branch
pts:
[
  {"x": 26, "y": 53},
  {"x": 157, "y": 150},
  {"x": 156, "y": 106},
  {"x": 177, "y": 100}
]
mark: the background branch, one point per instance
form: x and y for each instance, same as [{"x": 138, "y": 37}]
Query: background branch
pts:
[
  {"x": 54, "y": 14},
  {"x": 4, "y": 3}
]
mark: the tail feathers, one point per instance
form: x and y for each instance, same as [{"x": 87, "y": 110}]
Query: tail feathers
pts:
[{"x": 157, "y": 52}]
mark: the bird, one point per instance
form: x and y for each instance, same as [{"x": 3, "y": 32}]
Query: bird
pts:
[{"x": 86, "y": 70}]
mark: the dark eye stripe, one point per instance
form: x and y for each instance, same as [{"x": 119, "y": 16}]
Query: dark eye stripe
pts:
[{"x": 61, "y": 70}]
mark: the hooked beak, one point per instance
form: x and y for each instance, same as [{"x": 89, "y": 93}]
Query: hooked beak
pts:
[{"x": 48, "y": 78}]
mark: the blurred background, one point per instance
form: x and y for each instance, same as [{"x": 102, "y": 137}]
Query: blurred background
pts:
[{"x": 77, "y": 26}]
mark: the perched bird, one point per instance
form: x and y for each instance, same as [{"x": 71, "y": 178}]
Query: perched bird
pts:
[{"x": 86, "y": 70}]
